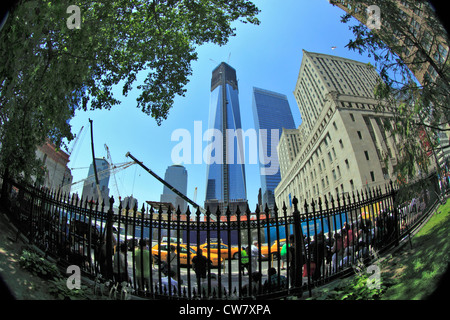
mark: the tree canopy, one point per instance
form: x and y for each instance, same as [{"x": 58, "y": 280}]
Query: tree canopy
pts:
[
  {"x": 410, "y": 49},
  {"x": 56, "y": 60}
]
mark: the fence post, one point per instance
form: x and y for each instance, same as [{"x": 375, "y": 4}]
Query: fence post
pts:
[
  {"x": 298, "y": 248},
  {"x": 109, "y": 239},
  {"x": 395, "y": 211}
]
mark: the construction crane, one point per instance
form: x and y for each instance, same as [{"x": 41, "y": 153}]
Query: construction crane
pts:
[
  {"x": 94, "y": 164},
  {"x": 108, "y": 154},
  {"x": 110, "y": 171},
  {"x": 76, "y": 140},
  {"x": 171, "y": 188},
  {"x": 70, "y": 152}
]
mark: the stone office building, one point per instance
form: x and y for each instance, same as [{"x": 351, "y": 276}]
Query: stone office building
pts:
[{"x": 343, "y": 143}]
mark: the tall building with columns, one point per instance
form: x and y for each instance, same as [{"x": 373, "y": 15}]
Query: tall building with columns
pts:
[{"x": 343, "y": 142}]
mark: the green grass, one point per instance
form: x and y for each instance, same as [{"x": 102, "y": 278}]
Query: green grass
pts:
[{"x": 423, "y": 265}]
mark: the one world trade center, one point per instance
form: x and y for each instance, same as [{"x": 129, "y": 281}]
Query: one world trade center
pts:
[{"x": 225, "y": 185}]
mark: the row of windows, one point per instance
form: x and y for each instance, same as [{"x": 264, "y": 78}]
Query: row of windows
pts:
[{"x": 311, "y": 181}]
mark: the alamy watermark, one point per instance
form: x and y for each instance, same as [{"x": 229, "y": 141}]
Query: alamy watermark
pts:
[
  {"x": 373, "y": 17},
  {"x": 260, "y": 147},
  {"x": 74, "y": 20},
  {"x": 374, "y": 271},
  {"x": 74, "y": 280}
]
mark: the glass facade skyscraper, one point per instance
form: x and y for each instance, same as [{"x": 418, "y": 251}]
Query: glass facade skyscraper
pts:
[
  {"x": 176, "y": 176},
  {"x": 225, "y": 186},
  {"x": 271, "y": 113},
  {"x": 89, "y": 186}
]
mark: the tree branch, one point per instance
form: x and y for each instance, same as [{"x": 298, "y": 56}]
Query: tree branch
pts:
[{"x": 431, "y": 127}]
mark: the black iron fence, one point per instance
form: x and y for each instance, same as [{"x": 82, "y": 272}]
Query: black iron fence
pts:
[{"x": 230, "y": 255}]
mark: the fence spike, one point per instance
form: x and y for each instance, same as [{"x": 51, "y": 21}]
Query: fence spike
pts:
[
  {"x": 111, "y": 203},
  {"x": 198, "y": 212},
  {"x": 247, "y": 211},
  {"x": 228, "y": 212},
  {"x": 103, "y": 205},
  {"x": 218, "y": 213}
]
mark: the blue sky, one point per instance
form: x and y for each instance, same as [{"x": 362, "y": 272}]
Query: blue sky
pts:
[{"x": 267, "y": 56}]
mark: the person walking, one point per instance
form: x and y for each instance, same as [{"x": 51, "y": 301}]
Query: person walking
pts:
[
  {"x": 292, "y": 262},
  {"x": 244, "y": 261},
  {"x": 172, "y": 263},
  {"x": 200, "y": 265},
  {"x": 255, "y": 256},
  {"x": 120, "y": 269},
  {"x": 283, "y": 255},
  {"x": 144, "y": 261}
]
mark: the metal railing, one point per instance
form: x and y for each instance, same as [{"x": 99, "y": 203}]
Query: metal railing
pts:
[{"x": 263, "y": 255}]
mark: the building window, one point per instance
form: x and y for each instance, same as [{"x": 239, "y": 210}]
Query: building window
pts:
[
  {"x": 359, "y": 135},
  {"x": 352, "y": 117},
  {"x": 441, "y": 54},
  {"x": 372, "y": 175},
  {"x": 366, "y": 154},
  {"x": 385, "y": 173},
  {"x": 352, "y": 186},
  {"x": 340, "y": 142},
  {"x": 346, "y": 164},
  {"x": 334, "y": 125}
]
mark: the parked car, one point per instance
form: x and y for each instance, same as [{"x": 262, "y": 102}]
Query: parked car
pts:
[
  {"x": 159, "y": 252},
  {"x": 225, "y": 250}
]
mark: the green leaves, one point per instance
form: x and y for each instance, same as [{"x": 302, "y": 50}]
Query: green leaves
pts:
[
  {"x": 60, "y": 290},
  {"x": 416, "y": 102},
  {"x": 48, "y": 70},
  {"x": 37, "y": 265}
]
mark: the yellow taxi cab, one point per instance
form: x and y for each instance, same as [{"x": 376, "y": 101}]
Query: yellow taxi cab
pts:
[
  {"x": 225, "y": 250},
  {"x": 275, "y": 248},
  {"x": 162, "y": 249}
]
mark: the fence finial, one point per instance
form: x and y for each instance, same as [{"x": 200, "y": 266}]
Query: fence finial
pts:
[
  {"x": 111, "y": 201},
  {"x": 295, "y": 202}
]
